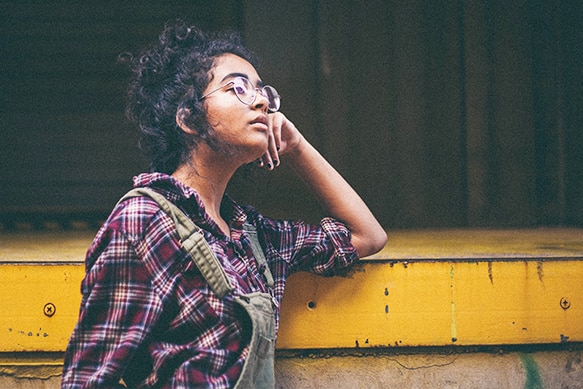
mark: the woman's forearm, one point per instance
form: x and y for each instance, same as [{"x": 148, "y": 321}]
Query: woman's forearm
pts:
[{"x": 338, "y": 198}]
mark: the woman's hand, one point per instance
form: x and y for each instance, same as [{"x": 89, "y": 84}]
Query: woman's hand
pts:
[{"x": 284, "y": 137}]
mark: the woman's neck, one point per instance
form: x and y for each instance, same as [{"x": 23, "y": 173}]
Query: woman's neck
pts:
[{"x": 210, "y": 182}]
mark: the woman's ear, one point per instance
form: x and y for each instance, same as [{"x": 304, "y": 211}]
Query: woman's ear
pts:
[{"x": 181, "y": 116}]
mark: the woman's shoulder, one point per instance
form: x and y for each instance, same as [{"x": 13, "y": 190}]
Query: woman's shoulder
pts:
[{"x": 134, "y": 215}]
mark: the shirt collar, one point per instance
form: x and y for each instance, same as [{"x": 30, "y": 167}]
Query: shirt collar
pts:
[{"x": 175, "y": 191}]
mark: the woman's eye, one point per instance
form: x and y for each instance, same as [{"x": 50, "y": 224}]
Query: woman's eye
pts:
[{"x": 240, "y": 89}]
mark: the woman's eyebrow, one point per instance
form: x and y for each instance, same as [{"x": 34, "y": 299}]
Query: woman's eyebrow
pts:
[{"x": 233, "y": 75}]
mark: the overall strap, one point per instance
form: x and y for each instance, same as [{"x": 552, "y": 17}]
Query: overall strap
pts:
[
  {"x": 192, "y": 240},
  {"x": 258, "y": 253}
]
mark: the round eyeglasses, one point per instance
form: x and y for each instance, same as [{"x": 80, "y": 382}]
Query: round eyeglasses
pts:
[{"x": 246, "y": 92}]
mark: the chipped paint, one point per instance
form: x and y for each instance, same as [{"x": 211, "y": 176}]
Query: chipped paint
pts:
[
  {"x": 39, "y": 333},
  {"x": 540, "y": 271},
  {"x": 453, "y": 324}
]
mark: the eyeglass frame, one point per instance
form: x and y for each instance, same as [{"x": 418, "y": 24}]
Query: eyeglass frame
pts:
[{"x": 255, "y": 90}]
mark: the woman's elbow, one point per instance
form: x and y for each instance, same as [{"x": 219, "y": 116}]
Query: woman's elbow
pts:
[
  {"x": 379, "y": 241},
  {"x": 371, "y": 243}
]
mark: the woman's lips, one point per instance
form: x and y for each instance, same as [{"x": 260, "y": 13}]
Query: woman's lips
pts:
[{"x": 262, "y": 120}]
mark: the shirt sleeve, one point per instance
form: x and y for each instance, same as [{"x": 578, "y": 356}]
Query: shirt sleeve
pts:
[
  {"x": 323, "y": 248},
  {"x": 118, "y": 308}
]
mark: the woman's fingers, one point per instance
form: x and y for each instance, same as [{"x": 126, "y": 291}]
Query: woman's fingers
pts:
[
  {"x": 275, "y": 138},
  {"x": 277, "y": 120},
  {"x": 283, "y": 135},
  {"x": 271, "y": 158}
]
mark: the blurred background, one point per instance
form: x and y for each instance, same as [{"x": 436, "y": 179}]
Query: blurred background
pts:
[{"x": 440, "y": 113}]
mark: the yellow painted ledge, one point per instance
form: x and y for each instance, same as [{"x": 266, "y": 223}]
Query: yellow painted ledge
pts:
[
  {"x": 426, "y": 288},
  {"x": 439, "y": 303}
]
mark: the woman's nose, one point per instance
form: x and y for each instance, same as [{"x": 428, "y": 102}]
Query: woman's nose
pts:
[{"x": 261, "y": 101}]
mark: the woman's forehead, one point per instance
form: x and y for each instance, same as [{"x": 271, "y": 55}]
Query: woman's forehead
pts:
[{"x": 231, "y": 65}]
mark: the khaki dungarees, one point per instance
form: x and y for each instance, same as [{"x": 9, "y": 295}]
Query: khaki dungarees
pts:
[{"x": 258, "y": 369}]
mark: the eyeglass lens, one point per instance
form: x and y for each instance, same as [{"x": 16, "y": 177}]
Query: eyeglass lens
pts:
[{"x": 246, "y": 93}]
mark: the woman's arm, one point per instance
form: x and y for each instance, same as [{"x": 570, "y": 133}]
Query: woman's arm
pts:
[
  {"x": 117, "y": 313},
  {"x": 330, "y": 188}
]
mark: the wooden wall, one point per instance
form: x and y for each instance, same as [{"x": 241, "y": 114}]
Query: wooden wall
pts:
[{"x": 440, "y": 113}]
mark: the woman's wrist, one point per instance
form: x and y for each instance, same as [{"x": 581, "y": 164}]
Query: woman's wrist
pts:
[{"x": 296, "y": 154}]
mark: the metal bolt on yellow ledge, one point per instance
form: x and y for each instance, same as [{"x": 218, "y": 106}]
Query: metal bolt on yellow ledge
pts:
[{"x": 426, "y": 288}]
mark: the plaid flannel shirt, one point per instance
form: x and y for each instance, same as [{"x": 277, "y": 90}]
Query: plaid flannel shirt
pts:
[{"x": 148, "y": 317}]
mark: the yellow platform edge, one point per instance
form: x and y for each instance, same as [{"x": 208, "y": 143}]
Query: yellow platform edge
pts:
[
  {"x": 379, "y": 304},
  {"x": 426, "y": 288}
]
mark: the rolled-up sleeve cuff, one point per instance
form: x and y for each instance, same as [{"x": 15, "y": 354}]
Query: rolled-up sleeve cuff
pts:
[{"x": 340, "y": 237}]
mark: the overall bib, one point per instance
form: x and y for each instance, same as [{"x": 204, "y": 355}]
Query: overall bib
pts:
[{"x": 258, "y": 369}]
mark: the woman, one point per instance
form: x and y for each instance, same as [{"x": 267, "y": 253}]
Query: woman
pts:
[{"x": 149, "y": 316}]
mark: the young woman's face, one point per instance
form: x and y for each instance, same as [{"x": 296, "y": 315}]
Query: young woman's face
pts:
[{"x": 241, "y": 128}]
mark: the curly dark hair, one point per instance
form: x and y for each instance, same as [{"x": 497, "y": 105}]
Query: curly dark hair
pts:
[{"x": 169, "y": 77}]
